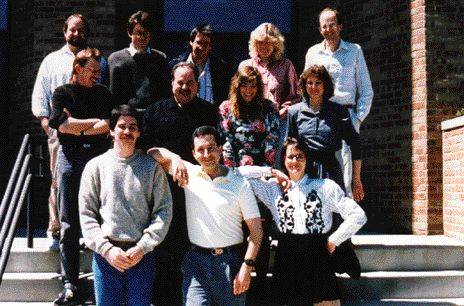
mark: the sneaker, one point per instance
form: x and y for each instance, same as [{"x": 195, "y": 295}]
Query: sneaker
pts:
[
  {"x": 55, "y": 245},
  {"x": 68, "y": 296}
]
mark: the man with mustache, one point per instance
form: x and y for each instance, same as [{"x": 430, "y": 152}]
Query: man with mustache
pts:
[
  {"x": 125, "y": 210},
  {"x": 80, "y": 111},
  {"x": 55, "y": 70},
  {"x": 170, "y": 123}
]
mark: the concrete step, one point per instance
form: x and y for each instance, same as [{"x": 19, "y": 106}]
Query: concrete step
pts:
[
  {"x": 40, "y": 258},
  {"x": 39, "y": 287},
  {"x": 403, "y": 285},
  {"x": 409, "y": 253}
]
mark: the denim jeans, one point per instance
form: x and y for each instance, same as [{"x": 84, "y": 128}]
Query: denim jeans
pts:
[
  {"x": 208, "y": 279},
  {"x": 70, "y": 164},
  {"x": 133, "y": 287}
]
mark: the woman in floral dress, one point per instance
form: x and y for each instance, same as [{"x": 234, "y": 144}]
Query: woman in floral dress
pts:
[{"x": 249, "y": 124}]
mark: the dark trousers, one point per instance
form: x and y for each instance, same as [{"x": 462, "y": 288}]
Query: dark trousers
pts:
[{"x": 70, "y": 164}]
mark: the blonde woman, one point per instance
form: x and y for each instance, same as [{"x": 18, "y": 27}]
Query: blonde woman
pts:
[{"x": 279, "y": 77}]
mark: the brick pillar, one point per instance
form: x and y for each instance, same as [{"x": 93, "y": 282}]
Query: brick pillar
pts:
[{"x": 420, "y": 145}]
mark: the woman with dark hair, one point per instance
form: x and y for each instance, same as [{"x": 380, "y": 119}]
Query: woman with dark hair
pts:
[
  {"x": 321, "y": 125},
  {"x": 303, "y": 269},
  {"x": 249, "y": 124}
]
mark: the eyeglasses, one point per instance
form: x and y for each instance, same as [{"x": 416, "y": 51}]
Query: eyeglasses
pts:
[
  {"x": 331, "y": 25},
  {"x": 317, "y": 83},
  {"x": 132, "y": 127},
  {"x": 141, "y": 33},
  {"x": 298, "y": 157}
]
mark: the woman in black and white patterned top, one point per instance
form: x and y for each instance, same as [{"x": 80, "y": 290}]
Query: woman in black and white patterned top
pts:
[{"x": 303, "y": 215}]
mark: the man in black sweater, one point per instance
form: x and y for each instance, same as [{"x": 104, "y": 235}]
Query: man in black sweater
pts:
[
  {"x": 139, "y": 75},
  {"x": 170, "y": 123}
]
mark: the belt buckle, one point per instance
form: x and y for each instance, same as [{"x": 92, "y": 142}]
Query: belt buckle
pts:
[
  {"x": 217, "y": 252},
  {"x": 86, "y": 145}
]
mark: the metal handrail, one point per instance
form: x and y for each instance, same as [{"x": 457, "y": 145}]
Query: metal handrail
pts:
[
  {"x": 13, "y": 177},
  {"x": 16, "y": 192}
]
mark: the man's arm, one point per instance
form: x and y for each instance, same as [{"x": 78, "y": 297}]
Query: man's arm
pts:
[
  {"x": 161, "y": 214},
  {"x": 75, "y": 126},
  {"x": 171, "y": 163},
  {"x": 363, "y": 87},
  {"x": 243, "y": 278},
  {"x": 41, "y": 95}
]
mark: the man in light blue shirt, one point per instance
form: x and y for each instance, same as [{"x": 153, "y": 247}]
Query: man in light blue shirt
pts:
[
  {"x": 55, "y": 70},
  {"x": 347, "y": 67}
]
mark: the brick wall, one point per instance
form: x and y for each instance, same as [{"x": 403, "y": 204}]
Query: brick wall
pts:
[
  {"x": 453, "y": 177},
  {"x": 414, "y": 53},
  {"x": 383, "y": 30}
]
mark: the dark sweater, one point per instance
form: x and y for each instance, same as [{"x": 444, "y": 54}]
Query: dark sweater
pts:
[
  {"x": 139, "y": 80},
  {"x": 167, "y": 125},
  {"x": 220, "y": 76},
  {"x": 83, "y": 103}
]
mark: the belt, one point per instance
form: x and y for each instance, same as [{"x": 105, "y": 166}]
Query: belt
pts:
[
  {"x": 124, "y": 245},
  {"x": 215, "y": 251},
  {"x": 86, "y": 146}
]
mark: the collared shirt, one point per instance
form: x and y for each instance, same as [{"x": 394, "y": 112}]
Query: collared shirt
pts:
[
  {"x": 308, "y": 206},
  {"x": 348, "y": 70},
  {"x": 55, "y": 70},
  {"x": 205, "y": 88},
  {"x": 280, "y": 80},
  {"x": 133, "y": 51},
  {"x": 216, "y": 208}
]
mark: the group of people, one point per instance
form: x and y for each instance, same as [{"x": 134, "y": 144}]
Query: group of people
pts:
[{"x": 258, "y": 154}]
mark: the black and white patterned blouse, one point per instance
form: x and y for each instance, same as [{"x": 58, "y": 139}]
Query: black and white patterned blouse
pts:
[{"x": 308, "y": 205}]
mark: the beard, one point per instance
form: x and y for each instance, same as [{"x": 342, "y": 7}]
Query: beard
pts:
[{"x": 78, "y": 42}]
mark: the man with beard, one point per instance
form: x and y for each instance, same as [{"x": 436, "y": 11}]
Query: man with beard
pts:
[
  {"x": 214, "y": 76},
  {"x": 139, "y": 75},
  {"x": 55, "y": 70},
  {"x": 80, "y": 112},
  {"x": 170, "y": 123}
]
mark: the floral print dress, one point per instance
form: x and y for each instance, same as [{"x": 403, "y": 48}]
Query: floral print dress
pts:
[{"x": 249, "y": 142}]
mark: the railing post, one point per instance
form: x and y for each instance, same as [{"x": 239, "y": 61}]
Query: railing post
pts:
[{"x": 29, "y": 212}]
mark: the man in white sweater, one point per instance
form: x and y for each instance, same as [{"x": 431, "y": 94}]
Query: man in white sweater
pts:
[{"x": 125, "y": 209}]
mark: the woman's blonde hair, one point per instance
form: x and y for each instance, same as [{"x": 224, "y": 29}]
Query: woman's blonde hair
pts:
[
  {"x": 81, "y": 59},
  {"x": 239, "y": 108},
  {"x": 267, "y": 31}
]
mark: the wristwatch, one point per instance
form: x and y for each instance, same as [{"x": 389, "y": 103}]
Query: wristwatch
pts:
[{"x": 249, "y": 262}]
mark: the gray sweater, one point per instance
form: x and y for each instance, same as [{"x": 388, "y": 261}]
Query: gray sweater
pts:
[{"x": 124, "y": 199}]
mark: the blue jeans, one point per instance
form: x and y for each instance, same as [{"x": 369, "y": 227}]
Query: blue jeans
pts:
[
  {"x": 71, "y": 161},
  {"x": 133, "y": 287},
  {"x": 208, "y": 279}
]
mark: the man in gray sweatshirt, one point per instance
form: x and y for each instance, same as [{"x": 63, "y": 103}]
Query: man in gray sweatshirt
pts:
[{"x": 125, "y": 209}]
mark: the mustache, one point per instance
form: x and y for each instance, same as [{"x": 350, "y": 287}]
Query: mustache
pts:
[
  {"x": 127, "y": 137},
  {"x": 185, "y": 92}
]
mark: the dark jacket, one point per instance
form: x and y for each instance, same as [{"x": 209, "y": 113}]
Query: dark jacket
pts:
[{"x": 220, "y": 76}]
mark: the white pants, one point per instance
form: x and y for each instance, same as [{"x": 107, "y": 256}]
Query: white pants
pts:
[{"x": 344, "y": 157}]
